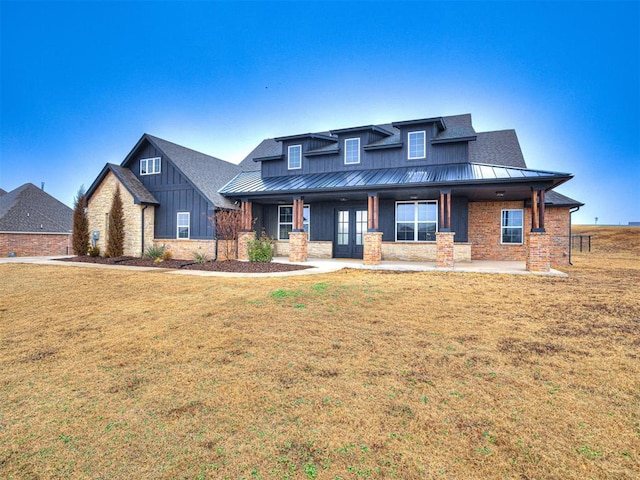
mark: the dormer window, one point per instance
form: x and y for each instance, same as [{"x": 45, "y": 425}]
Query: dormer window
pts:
[
  {"x": 150, "y": 166},
  {"x": 351, "y": 151},
  {"x": 295, "y": 157},
  {"x": 417, "y": 145}
]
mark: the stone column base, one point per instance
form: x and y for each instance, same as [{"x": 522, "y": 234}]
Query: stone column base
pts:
[
  {"x": 538, "y": 256},
  {"x": 372, "y": 254},
  {"x": 444, "y": 249},
  {"x": 244, "y": 238},
  {"x": 297, "y": 246}
]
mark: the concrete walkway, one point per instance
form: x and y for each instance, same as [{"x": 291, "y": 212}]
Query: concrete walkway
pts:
[{"x": 320, "y": 266}]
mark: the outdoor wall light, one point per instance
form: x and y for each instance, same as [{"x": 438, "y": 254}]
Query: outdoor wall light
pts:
[
  {"x": 413, "y": 197},
  {"x": 343, "y": 199},
  {"x": 500, "y": 194}
]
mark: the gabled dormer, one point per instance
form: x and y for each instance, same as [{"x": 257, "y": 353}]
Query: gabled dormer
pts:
[{"x": 353, "y": 141}]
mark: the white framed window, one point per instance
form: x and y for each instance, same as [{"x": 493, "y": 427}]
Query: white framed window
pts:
[
  {"x": 512, "y": 226},
  {"x": 295, "y": 157},
  {"x": 417, "y": 145},
  {"x": 285, "y": 220},
  {"x": 183, "y": 225},
  {"x": 150, "y": 166},
  {"x": 351, "y": 151},
  {"x": 416, "y": 221}
]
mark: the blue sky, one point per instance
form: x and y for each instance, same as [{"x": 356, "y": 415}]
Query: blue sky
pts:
[{"x": 82, "y": 81}]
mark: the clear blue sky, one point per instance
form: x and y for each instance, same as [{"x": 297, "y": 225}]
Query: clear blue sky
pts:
[{"x": 82, "y": 81}]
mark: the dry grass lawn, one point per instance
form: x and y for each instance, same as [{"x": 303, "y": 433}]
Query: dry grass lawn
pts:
[{"x": 118, "y": 375}]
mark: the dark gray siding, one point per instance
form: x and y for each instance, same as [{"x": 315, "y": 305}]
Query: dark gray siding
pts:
[
  {"x": 175, "y": 194},
  {"x": 436, "y": 154},
  {"x": 323, "y": 215}
]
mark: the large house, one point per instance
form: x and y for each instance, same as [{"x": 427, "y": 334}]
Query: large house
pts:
[
  {"x": 431, "y": 189},
  {"x": 33, "y": 223}
]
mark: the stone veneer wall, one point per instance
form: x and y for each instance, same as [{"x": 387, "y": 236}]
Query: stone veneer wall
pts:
[
  {"x": 422, "y": 252},
  {"x": 35, "y": 244},
  {"x": 444, "y": 245},
  {"x": 100, "y": 204},
  {"x": 484, "y": 232},
  {"x": 372, "y": 253},
  {"x": 315, "y": 249}
]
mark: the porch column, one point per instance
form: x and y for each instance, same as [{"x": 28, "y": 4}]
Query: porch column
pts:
[
  {"x": 245, "y": 235},
  {"x": 538, "y": 254},
  {"x": 372, "y": 238},
  {"x": 444, "y": 235},
  {"x": 298, "y": 237}
]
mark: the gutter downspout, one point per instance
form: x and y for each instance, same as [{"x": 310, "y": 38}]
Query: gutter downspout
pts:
[
  {"x": 142, "y": 221},
  {"x": 571, "y": 211}
]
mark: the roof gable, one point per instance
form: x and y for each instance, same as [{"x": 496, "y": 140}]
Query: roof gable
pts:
[
  {"x": 497, "y": 148},
  {"x": 31, "y": 209},
  {"x": 127, "y": 178},
  {"x": 205, "y": 173}
]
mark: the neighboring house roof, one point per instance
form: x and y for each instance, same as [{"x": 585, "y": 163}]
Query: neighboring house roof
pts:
[
  {"x": 31, "y": 209},
  {"x": 133, "y": 185},
  {"x": 431, "y": 175},
  {"x": 497, "y": 148},
  {"x": 2, "y": 192},
  {"x": 204, "y": 172}
]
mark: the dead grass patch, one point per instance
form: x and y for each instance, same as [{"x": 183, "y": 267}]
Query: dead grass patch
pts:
[{"x": 111, "y": 374}]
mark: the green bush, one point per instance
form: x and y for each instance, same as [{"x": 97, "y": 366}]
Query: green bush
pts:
[
  {"x": 94, "y": 251},
  {"x": 155, "y": 252},
  {"x": 261, "y": 249},
  {"x": 200, "y": 257}
]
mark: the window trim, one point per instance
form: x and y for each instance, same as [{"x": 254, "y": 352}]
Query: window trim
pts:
[
  {"x": 307, "y": 223},
  {"x": 151, "y": 161},
  {"x": 415, "y": 221},
  {"x": 178, "y": 225},
  {"x": 503, "y": 227},
  {"x": 357, "y": 139},
  {"x": 289, "y": 157},
  {"x": 424, "y": 144}
]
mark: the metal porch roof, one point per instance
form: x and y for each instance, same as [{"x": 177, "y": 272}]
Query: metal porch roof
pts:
[{"x": 249, "y": 183}]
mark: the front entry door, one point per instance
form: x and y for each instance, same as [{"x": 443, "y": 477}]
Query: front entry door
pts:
[{"x": 351, "y": 224}]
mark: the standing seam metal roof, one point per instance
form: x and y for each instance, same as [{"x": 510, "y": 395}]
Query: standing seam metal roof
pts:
[{"x": 463, "y": 173}]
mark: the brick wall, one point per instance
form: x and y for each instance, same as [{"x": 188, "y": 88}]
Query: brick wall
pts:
[
  {"x": 100, "y": 204},
  {"x": 315, "y": 249},
  {"x": 422, "y": 252},
  {"x": 485, "y": 226},
  {"x": 35, "y": 244}
]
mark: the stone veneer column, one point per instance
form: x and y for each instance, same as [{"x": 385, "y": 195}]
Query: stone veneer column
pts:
[
  {"x": 444, "y": 249},
  {"x": 372, "y": 254},
  {"x": 243, "y": 245},
  {"x": 297, "y": 246},
  {"x": 538, "y": 256}
]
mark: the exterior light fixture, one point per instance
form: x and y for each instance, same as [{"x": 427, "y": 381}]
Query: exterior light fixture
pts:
[
  {"x": 343, "y": 199},
  {"x": 500, "y": 194}
]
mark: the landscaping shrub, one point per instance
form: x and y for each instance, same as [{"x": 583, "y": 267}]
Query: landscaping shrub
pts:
[
  {"x": 261, "y": 249},
  {"x": 156, "y": 252},
  {"x": 94, "y": 251},
  {"x": 200, "y": 257},
  {"x": 80, "y": 236},
  {"x": 115, "y": 238}
]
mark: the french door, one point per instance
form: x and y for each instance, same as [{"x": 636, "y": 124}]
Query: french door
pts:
[{"x": 351, "y": 224}]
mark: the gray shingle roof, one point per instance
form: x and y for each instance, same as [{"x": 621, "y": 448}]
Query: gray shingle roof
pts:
[
  {"x": 265, "y": 149},
  {"x": 206, "y": 173},
  {"x": 132, "y": 184},
  {"x": 497, "y": 148},
  {"x": 30, "y": 209},
  {"x": 2, "y": 191},
  {"x": 432, "y": 175},
  {"x": 557, "y": 199}
]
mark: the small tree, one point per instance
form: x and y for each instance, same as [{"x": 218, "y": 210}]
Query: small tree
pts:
[
  {"x": 227, "y": 225},
  {"x": 80, "y": 236},
  {"x": 115, "y": 238}
]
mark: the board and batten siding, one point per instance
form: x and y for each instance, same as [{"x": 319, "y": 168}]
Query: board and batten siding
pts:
[
  {"x": 175, "y": 194},
  {"x": 436, "y": 154}
]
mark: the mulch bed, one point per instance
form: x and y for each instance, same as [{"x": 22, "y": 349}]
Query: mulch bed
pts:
[{"x": 228, "y": 266}]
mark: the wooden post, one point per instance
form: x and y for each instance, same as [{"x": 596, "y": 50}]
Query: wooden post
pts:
[
  {"x": 376, "y": 210},
  {"x": 441, "y": 211},
  {"x": 541, "y": 210},
  {"x": 534, "y": 209},
  {"x": 448, "y": 211},
  {"x": 372, "y": 212}
]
